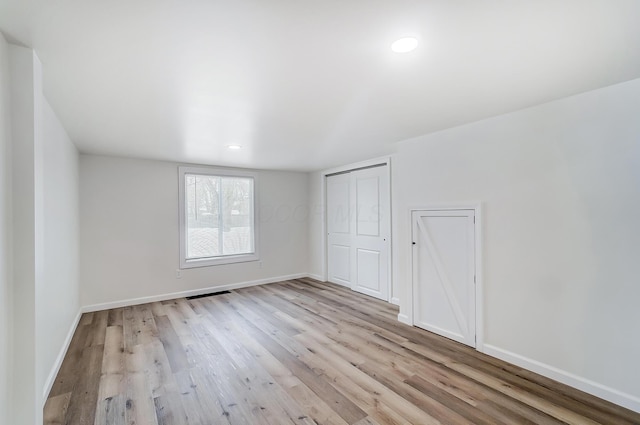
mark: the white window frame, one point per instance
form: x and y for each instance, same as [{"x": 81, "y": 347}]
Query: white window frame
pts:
[{"x": 224, "y": 259}]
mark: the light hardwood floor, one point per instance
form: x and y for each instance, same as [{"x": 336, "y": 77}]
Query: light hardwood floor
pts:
[{"x": 295, "y": 352}]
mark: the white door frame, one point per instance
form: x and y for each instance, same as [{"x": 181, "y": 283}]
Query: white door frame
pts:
[
  {"x": 386, "y": 160},
  {"x": 476, "y": 207}
]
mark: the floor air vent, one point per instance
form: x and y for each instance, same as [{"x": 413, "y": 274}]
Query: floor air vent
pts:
[{"x": 212, "y": 294}]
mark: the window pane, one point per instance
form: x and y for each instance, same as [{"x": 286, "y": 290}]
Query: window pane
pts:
[
  {"x": 202, "y": 212},
  {"x": 237, "y": 215},
  {"x": 217, "y": 218}
]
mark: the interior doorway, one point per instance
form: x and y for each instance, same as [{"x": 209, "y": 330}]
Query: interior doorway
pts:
[
  {"x": 444, "y": 272},
  {"x": 358, "y": 219}
]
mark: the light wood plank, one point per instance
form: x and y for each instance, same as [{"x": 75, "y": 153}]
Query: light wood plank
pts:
[{"x": 55, "y": 409}]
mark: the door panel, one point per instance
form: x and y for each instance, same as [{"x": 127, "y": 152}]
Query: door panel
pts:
[
  {"x": 339, "y": 229},
  {"x": 367, "y": 205},
  {"x": 444, "y": 273},
  {"x": 368, "y": 269},
  {"x": 338, "y": 204},
  {"x": 370, "y": 244},
  {"x": 341, "y": 261}
]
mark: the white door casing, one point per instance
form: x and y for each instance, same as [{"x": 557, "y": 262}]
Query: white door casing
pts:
[
  {"x": 444, "y": 272},
  {"x": 358, "y": 230}
]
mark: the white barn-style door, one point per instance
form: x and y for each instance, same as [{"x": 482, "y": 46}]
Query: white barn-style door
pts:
[
  {"x": 444, "y": 273},
  {"x": 358, "y": 228}
]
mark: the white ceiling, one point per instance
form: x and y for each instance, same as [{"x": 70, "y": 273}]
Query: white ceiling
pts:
[{"x": 308, "y": 84}]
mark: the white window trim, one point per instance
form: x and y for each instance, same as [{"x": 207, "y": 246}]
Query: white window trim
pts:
[{"x": 215, "y": 261}]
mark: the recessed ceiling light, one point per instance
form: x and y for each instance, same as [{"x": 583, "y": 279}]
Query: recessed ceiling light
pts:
[
  {"x": 234, "y": 147},
  {"x": 404, "y": 45}
]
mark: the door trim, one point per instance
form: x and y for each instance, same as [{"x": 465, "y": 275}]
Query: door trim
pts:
[
  {"x": 479, "y": 301},
  {"x": 380, "y": 161}
]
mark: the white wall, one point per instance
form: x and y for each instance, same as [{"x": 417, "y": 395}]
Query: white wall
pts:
[
  {"x": 6, "y": 312},
  {"x": 129, "y": 231},
  {"x": 560, "y": 189},
  {"x": 26, "y": 196},
  {"x": 58, "y": 295},
  {"x": 39, "y": 235}
]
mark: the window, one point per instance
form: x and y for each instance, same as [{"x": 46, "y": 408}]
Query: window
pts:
[{"x": 217, "y": 217}]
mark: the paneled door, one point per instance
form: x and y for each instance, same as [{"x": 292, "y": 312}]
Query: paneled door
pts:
[
  {"x": 339, "y": 229},
  {"x": 358, "y": 225},
  {"x": 370, "y": 238},
  {"x": 444, "y": 273}
]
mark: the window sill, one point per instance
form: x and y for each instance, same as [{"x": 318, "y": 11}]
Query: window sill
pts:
[{"x": 218, "y": 261}]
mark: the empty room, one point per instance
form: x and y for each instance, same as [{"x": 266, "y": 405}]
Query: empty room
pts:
[{"x": 319, "y": 212}]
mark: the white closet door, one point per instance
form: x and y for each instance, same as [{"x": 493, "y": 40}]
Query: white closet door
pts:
[
  {"x": 444, "y": 273},
  {"x": 370, "y": 232},
  {"x": 358, "y": 223},
  {"x": 339, "y": 229}
]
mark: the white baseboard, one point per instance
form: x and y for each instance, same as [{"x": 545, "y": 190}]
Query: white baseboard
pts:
[
  {"x": 63, "y": 352},
  {"x": 610, "y": 394},
  {"x": 403, "y": 318},
  {"x": 316, "y": 277},
  {"x": 190, "y": 293},
  {"x": 395, "y": 300}
]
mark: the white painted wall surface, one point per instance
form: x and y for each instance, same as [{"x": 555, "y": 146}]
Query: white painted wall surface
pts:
[
  {"x": 6, "y": 311},
  {"x": 58, "y": 294},
  {"x": 39, "y": 204},
  {"x": 560, "y": 190},
  {"x": 26, "y": 232},
  {"x": 129, "y": 231}
]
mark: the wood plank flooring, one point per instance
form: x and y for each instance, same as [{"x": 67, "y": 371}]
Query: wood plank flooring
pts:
[{"x": 295, "y": 352}]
